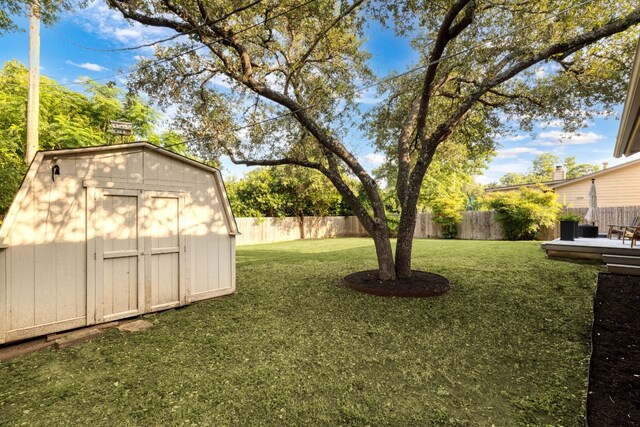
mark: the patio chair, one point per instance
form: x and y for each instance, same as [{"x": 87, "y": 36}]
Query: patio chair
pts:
[
  {"x": 634, "y": 235},
  {"x": 622, "y": 230}
]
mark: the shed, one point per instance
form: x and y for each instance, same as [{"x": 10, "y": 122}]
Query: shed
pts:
[{"x": 122, "y": 230}]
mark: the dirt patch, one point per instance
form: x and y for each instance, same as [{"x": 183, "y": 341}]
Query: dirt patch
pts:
[
  {"x": 614, "y": 374},
  {"x": 420, "y": 285}
]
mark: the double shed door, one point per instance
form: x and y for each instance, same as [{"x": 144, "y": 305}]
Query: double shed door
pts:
[{"x": 138, "y": 261}]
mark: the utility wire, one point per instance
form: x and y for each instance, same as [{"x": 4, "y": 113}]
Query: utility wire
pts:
[
  {"x": 397, "y": 76},
  {"x": 191, "y": 50},
  {"x": 173, "y": 37},
  {"x": 366, "y": 87}
]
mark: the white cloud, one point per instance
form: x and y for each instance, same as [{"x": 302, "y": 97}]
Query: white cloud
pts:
[
  {"x": 483, "y": 180},
  {"x": 126, "y": 34},
  {"x": 369, "y": 97},
  {"x": 551, "y": 124},
  {"x": 540, "y": 73},
  {"x": 109, "y": 24},
  {"x": 510, "y": 167},
  {"x": 375, "y": 158},
  {"x": 510, "y": 153},
  {"x": 88, "y": 66},
  {"x": 556, "y": 137},
  {"x": 222, "y": 81},
  {"x": 512, "y": 138}
]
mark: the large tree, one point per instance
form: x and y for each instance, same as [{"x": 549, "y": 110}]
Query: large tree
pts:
[
  {"x": 542, "y": 168},
  {"x": 242, "y": 62}
]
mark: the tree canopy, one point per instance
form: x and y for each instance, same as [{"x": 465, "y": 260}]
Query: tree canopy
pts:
[
  {"x": 284, "y": 191},
  {"x": 241, "y": 65},
  {"x": 542, "y": 169},
  {"x": 48, "y": 10}
]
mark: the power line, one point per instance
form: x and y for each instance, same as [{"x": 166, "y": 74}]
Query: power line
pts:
[
  {"x": 175, "y": 36},
  {"x": 191, "y": 50},
  {"x": 410, "y": 71},
  {"x": 366, "y": 87}
]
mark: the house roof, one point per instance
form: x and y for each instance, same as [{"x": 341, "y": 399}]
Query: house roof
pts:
[
  {"x": 564, "y": 182},
  {"x": 528, "y": 184},
  {"x": 628, "y": 141},
  {"x": 41, "y": 155}
]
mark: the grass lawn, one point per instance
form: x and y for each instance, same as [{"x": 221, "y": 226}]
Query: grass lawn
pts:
[{"x": 509, "y": 345}]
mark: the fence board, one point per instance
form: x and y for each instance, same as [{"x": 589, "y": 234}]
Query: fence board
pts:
[{"x": 475, "y": 225}]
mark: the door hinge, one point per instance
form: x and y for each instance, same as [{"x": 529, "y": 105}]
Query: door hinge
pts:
[
  {"x": 185, "y": 248},
  {"x": 94, "y": 256}
]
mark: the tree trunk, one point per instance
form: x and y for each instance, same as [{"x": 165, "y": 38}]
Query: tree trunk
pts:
[
  {"x": 404, "y": 246},
  {"x": 301, "y": 226},
  {"x": 386, "y": 266}
]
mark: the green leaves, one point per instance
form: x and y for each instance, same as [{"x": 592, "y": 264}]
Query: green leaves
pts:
[
  {"x": 67, "y": 119},
  {"x": 446, "y": 213},
  {"x": 284, "y": 191},
  {"x": 48, "y": 10},
  {"x": 542, "y": 170},
  {"x": 524, "y": 212}
]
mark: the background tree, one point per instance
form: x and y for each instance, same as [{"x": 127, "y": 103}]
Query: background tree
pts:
[
  {"x": 542, "y": 170},
  {"x": 67, "y": 119},
  {"x": 303, "y": 61},
  {"x": 451, "y": 174},
  {"x": 48, "y": 11},
  {"x": 284, "y": 191}
]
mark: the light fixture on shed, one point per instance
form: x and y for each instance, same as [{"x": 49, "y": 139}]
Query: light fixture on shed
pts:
[{"x": 55, "y": 169}]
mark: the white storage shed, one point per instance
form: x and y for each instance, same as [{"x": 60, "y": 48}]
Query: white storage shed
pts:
[{"x": 102, "y": 233}]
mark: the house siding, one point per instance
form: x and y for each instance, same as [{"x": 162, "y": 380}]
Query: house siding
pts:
[{"x": 618, "y": 187}]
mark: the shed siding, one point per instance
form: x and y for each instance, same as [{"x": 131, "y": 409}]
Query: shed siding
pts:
[
  {"x": 4, "y": 308},
  {"x": 616, "y": 188},
  {"x": 43, "y": 270}
]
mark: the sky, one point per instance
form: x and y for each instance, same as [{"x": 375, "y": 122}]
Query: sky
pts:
[{"x": 71, "y": 49}]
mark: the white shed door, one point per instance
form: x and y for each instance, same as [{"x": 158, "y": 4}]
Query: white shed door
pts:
[
  {"x": 165, "y": 268},
  {"x": 136, "y": 253},
  {"x": 119, "y": 245}
]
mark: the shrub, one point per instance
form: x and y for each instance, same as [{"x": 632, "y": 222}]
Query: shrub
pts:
[
  {"x": 446, "y": 213},
  {"x": 571, "y": 217},
  {"x": 393, "y": 222},
  {"x": 524, "y": 212}
]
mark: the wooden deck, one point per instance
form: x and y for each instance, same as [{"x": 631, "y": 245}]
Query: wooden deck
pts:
[
  {"x": 589, "y": 248},
  {"x": 619, "y": 257}
]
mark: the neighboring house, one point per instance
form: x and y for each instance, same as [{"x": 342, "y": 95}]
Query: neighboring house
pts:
[
  {"x": 616, "y": 186},
  {"x": 628, "y": 141}
]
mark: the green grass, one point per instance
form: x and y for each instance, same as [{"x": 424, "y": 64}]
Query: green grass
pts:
[{"x": 509, "y": 345}]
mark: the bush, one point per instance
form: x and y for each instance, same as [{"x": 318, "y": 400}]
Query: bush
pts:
[
  {"x": 393, "y": 222},
  {"x": 571, "y": 217},
  {"x": 524, "y": 212},
  {"x": 446, "y": 213}
]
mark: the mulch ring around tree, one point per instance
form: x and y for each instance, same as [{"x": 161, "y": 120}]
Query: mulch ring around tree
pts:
[
  {"x": 420, "y": 285},
  {"x": 614, "y": 375}
]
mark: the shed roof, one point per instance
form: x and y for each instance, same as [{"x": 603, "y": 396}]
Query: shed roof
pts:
[
  {"x": 41, "y": 155},
  {"x": 628, "y": 141}
]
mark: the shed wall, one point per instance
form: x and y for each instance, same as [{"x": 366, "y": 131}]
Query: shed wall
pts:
[{"x": 43, "y": 271}]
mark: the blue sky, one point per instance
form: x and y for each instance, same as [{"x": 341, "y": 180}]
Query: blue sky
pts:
[{"x": 65, "y": 57}]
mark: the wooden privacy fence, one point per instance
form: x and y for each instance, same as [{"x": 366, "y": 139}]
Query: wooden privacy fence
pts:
[
  {"x": 475, "y": 225},
  {"x": 270, "y": 230}
]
